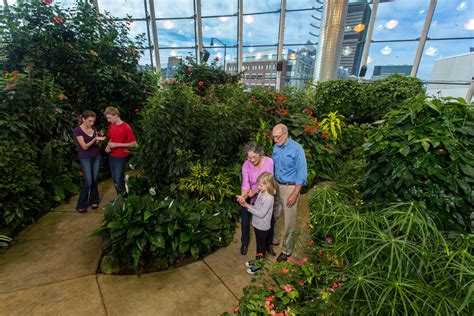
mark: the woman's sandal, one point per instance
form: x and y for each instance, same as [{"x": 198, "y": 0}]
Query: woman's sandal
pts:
[{"x": 95, "y": 206}]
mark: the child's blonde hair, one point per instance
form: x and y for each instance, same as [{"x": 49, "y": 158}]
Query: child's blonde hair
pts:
[
  {"x": 110, "y": 110},
  {"x": 267, "y": 179}
]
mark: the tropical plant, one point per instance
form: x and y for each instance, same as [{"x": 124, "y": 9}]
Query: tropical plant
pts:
[
  {"x": 424, "y": 151},
  {"x": 394, "y": 259},
  {"x": 82, "y": 49},
  {"x": 332, "y": 123},
  {"x": 140, "y": 229},
  {"x": 203, "y": 183},
  {"x": 202, "y": 76}
]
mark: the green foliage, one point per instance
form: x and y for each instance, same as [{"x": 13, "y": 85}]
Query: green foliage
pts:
[
  {"x": 178, "y": 126},
  {"x": 82, "y": 49},
  {"x": 139, "y": 229},
  {"x": 380, "y": 96},
  {"x": 203, "y": 76},
  {"x": 203, "y": 184},
  {"x": 424, "y": 151},
  {"x": 296, "y": 287},
  {"x": 38, "y": 164},
  {"x": 394, "y": 260},
  {"x": 342, "y": 96},
  {"x": 20, "y": 192},
  {"x": 363, "y": 102}
]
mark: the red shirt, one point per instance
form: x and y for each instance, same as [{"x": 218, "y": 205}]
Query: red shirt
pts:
[{"x": 121, "y": 133}]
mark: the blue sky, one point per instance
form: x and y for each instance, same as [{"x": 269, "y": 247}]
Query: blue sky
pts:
[{"x": 448, "y": 21}]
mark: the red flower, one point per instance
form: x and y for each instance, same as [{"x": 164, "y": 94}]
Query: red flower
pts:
[
  {"x": 173, "y": 80},
  {"x": 301, "y": 283},
  {"x": 236, "y": 309},
  {"x": 9, "y": 86},
  {"x": 47, "y": 1},
  {"x": 217, "y": 58},
  {"x": 325, "y": 135},
  {"x": 288, "y": 288},
  {"x": 283, "y": 112},
  {"x": 58, "y": 20},
  {"x": 200, "y": 83},
  {"x": 190, "y": 68}
]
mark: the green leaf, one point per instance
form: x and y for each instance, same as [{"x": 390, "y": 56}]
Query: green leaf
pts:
[
  {"x": 115, "y": 225},
  {"x": 425, "y": 145},
  {"x": 147, "y": 215},
  {"x": 405, "y": 150},
  {"x": 195, "y": 252},
  {"x": 467, "y": 169}
]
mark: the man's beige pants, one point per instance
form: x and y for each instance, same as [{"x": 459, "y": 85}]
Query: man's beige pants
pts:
[{"x": 283, "y": 192}]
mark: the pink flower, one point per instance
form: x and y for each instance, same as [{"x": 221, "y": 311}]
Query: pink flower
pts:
[
  {"x": 305, "y": 259},
  {"x": 284, "y": 270},
  {"x": 47, "y": 1},
  {"x": 137, "y": 110},
  {"x": 9, "y": 86},
  {"x": 299, "y": 262},
  {"x": 329, "y": 239},
  {"x": 288, "y": 288},
  {"x": 236, "y": 309},
  {"x": 301, "y": 283},
  {"x": 200, "y": 83},
  {"x": 58, "y": 20}
]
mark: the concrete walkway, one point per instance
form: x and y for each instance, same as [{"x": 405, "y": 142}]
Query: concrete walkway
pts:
[{"x": 52, "y": 271}]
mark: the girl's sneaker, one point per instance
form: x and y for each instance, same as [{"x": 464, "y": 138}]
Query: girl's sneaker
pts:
[
  {"x": 253, "y": 270},
  {"x": 249, "y": 264}
]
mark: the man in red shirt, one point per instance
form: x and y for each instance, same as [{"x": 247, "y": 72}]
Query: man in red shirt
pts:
[{"x": 121, "y": 138}]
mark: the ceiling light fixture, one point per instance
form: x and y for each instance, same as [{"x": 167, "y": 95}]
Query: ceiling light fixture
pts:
[{"x": 390, "y": 25}]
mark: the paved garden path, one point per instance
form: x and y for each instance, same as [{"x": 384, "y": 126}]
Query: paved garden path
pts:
[{"x": 52, "y": 271}]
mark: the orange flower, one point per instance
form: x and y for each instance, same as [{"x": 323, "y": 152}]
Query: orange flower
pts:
[
  {"x": 62, "y": 97},
  {"x": 284, "y": 270}
]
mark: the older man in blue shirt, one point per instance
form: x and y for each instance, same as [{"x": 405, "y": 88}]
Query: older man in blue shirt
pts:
[{"x": 291, "y": 172}]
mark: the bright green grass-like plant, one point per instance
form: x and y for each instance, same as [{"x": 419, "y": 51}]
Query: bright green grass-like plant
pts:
[{"x": 395, "y": 260}]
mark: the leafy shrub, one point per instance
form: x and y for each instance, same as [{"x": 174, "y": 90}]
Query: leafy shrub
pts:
[
  {"x": 138, "y": 229},
  {"x": 82, "y": 49},
  {"x": 20, "y": 192},
  {"x": 424, "y": 151},
  {"x": 303, "y": 286},
  {"x": 203, "y": 184},
  {"x": 36, "y": 176},
  {"x": 394, "y": 260},
  {"x": 380, "y": 96},
  {"x": 342, "y": 96},
  {"x": 178, "y": 126},
  {"x": 203, "y": 76},
  {"x": 363, "y": 102}
]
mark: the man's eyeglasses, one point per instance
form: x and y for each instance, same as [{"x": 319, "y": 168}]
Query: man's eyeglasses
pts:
[{"x": 277, "y": 136}]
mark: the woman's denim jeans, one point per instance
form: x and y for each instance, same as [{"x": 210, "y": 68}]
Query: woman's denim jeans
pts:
[
  {"x": 117, "y": 169},
  {"x": 89, "y": 192}
]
